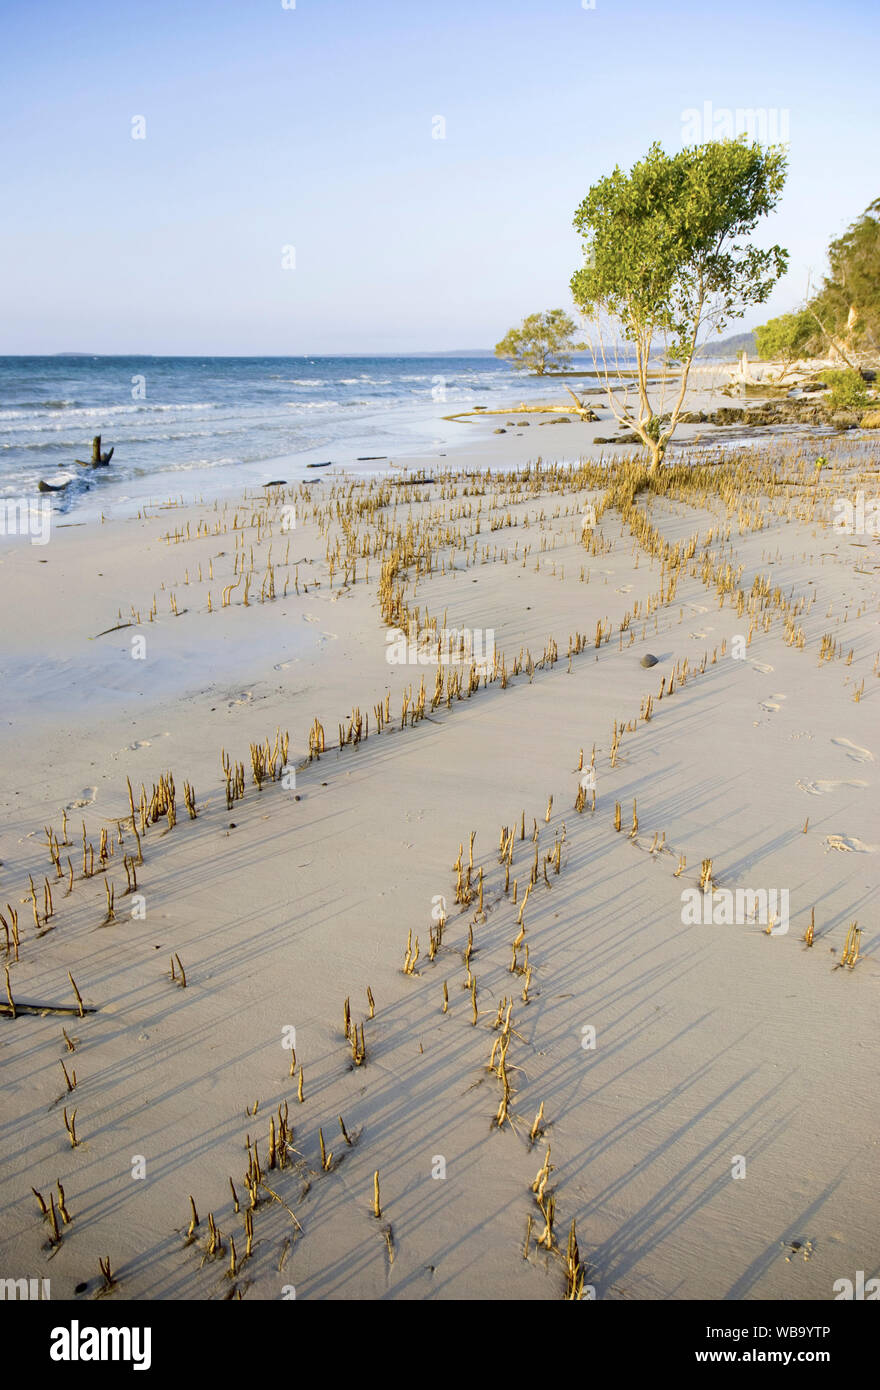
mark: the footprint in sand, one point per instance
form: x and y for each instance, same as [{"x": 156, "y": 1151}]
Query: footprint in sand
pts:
[
  {"x": 310, "y": 618},
  {"x": 698, "y": 636},
  {"x": 85, "y": 798},
  {"x": 850, "y": 843},
  {"x": 282, "y": 666},
  {"x": 140, "y": 743},
  {"x": 624, "y": 589},
  {"x": 761, "y": 666},
  {"x": 852, "y": 750},
  {"x": 770, "y": 703},
  {"x": 819, "y": 788}
]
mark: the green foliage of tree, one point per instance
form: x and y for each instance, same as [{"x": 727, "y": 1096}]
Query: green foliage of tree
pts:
[
  {"x": 848, "y": 390},
  {"x": 788, "y": 338},
  {"x": 666, "y": 256},
  {"x": 848, "y": 304},
  {"x": 542, "y": 342},
  {"x": 845, "y": 311}
]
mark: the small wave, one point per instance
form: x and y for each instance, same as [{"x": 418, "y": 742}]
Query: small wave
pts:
[
  {"x": 18, "y": 408},
  {"x": 192, "y": 464},
  {"x": 52, "y": 444}
]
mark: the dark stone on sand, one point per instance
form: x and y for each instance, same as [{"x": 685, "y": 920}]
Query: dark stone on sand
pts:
[
  {"x": 276, "y": 482},
  {"x": 499, "y": 431},
  {"x": 648, "y": 660}
]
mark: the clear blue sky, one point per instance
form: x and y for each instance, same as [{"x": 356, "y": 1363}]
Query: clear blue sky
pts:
[{"x": 312, "y": 127}]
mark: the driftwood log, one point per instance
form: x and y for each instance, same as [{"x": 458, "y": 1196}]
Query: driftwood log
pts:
[
  {"x": 11, "y": 1010},
  {"x": 98, "y": 460},
  {"x": 584, "y": 411}
]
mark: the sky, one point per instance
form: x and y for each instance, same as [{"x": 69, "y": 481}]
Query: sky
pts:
[{"x": 358, "y": 176}]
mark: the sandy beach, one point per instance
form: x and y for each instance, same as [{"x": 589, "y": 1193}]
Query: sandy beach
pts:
[{"x": 421, "y": 948}]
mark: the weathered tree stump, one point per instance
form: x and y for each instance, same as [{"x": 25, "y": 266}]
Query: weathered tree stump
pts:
[{"x": 98, "y": 460}]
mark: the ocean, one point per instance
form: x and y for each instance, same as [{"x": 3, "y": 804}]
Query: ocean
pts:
[{"x": 184, "y": 425}]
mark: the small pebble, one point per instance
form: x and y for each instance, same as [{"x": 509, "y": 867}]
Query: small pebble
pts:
[{"x": 648, "y": 660}]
